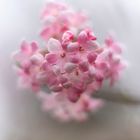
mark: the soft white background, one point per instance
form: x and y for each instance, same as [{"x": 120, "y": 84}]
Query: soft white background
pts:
[{"x": 20, "y": 114}]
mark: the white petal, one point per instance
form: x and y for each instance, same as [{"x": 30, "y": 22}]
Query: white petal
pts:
[
  {"x": 54, "y": 45},
  {"x": 69, "y": 67}
]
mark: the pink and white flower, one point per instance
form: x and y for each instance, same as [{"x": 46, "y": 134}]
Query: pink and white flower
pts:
[
  {"x": 58, "y": 18},
  {"x": 72, "y": 66}
]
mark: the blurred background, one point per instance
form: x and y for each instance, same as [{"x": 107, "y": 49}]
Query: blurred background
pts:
[{"x": 20, "y": 115}]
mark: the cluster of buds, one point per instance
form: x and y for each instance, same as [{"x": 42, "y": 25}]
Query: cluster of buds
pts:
[{"x": 72, "y": 66}]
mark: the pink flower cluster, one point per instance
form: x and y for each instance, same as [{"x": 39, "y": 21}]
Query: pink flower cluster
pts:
[
  {"x": 72, "y": 66},
  {"x": 58, "y": 18}
]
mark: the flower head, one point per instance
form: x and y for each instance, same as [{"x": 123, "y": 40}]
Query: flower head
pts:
[{"x": 72, "y": 65}]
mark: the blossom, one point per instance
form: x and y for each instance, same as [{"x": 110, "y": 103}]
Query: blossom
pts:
[
  {"x": 72, "y": 65},
  {"x": 58, "y": 18},
  {"x": 66, "y": 111},
  {"x": 28, "y": 60}
]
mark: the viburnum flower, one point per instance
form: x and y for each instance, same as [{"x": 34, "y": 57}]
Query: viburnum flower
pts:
[
  {"x": 28, "y": 60},
  {"x": 58, "y": 18},
  {"x": 64, "y": 110},
  {"x": 71, "y": 67}
]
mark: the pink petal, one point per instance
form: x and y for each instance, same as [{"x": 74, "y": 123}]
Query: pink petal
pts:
[
  {"x": 34, "y": 46},
  {"x": 91, "y": 57},
  {"x": 113, "y": 44},
  {"x": 117, "y": 47},
  {"x": 51, "y": 58},
  {"x": 25, "y": 47},
  {"x": 46, "y": 32},
  {"x": 74, "y": 59}
]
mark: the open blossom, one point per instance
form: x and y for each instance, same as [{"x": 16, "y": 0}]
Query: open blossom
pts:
[
  {"x": 72, "y": 65},
  {"x": 28, "y": 60},
  {"x": 58, "y": 18},
  {"x": 65, "y": 111}
]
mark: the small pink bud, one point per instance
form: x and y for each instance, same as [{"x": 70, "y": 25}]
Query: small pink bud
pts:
[
  {"x": 109, "y": 40},
  {"x": 90, "y": 35},
  {"x": 25, "y": 47},
  {"x": 73, "y": 47},
  {"x": 34, "y": 46},
  {"x": 74, "y": 59},
  {"x": 91, "y": 57},
  {"x": 102, "y": 65},
  {"x": 45, "y": 65},
  {"x": 56, "y": 88},
  {"x": 73, "y": 97},
  {"x": 37, "y": 58},
  {"x": 99, "y": 77},
  {"x": 69, "y": 67},
  {"x": 68, "y": 36},
  {"x": 83, "y": 66},
  {"x": 82, "y": 38},
  {"x": 85, "y": 36}
]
